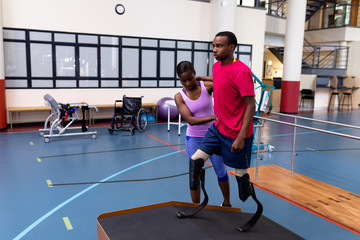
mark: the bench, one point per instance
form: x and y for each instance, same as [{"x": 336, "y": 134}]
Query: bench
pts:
[
  {"x": 153, "y": 106},
  {"x": 12, "y": 110},
  {"x": 91, "y": 119}
]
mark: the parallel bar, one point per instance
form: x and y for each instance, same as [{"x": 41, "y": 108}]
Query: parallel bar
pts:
[
  {"x": 317, "y": 120},
  {"x": 309, "y": 128},
  {"x": 293, "y": 150}
]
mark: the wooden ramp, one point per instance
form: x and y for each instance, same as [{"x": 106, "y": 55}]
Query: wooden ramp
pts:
[{"x": 334, "y": 203}]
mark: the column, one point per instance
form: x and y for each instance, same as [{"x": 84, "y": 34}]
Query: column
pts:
[
  {"x": 293, "y": 49},
  {"x": 223, "y": 16},
  {"x": 3, "y": 122}
]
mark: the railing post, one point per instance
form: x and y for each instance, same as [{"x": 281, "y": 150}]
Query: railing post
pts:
[
  {"x": 293, "y": 149},
  {"x": 258, "y": 152},
  {"x": 269, "y": 6},
  {"x": 318, "y": 57},
  {"x": 314, "y": 56},
  {"x": 347, "y": 57},
  {"x": 335, "y": 56}
]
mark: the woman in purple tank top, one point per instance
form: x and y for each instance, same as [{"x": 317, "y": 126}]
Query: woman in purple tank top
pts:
[{"x": 195, "y": 105}]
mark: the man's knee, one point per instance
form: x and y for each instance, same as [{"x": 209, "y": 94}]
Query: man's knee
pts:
[
  {"x": 195, "y": 168},
  {"x": 200, "y": 154},
  {"x": 244, "y": 185}
]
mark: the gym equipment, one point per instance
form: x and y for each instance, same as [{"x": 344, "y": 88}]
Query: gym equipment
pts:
[
  {"x": 130, "y": 116},
  {"x": 155, "y": 221},
  {"x": 193, "y": 211},
  {"x": 263, "y": 104},
  {"x": 61, "y": 118},
  {"x": 170, "y": 104},
  {"x": 150, "y": 117},
  {"x": 163, "y": 109},
  {"x": 253, "y": 220}
]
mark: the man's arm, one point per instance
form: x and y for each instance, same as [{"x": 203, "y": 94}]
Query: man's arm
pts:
[
  {"x": 238, "y": 144},
  {"x": 204, "y": 78},
  {"x": 187, "y": 115},
  {"x": 209, "y": 86}
]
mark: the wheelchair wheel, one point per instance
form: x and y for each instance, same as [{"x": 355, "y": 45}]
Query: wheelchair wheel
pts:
[{"x": 141, "y": 123}]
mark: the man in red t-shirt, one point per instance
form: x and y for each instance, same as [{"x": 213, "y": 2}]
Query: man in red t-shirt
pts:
[{"x": 231, "y": 136}]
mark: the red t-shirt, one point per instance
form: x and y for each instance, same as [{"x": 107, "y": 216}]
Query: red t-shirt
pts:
[{"x": 232, "y": 82}]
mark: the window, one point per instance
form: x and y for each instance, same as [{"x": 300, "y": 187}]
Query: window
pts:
[{"x": 45, "y": 59}]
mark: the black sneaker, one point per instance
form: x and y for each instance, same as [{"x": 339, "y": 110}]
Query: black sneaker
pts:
[{"x": 244, "y": 187}]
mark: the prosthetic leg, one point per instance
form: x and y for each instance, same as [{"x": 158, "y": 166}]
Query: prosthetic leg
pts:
[
  {"x": 196, "y": 172},
  {"x": 246, "y": 189}
]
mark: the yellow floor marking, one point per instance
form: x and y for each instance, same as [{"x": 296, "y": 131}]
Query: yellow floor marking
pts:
[
  {"x": 67, "y": 223},
  {"x": 49, "y": 183},
  {"x": 31, "y": 143},
  {"x": 38, "y": 159}
]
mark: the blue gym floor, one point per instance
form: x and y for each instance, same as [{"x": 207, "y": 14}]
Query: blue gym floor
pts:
[{"x": 30, "y": 209}]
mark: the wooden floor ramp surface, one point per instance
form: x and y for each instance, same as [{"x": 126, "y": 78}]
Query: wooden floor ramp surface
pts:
[{"x": 334, "y": 203}]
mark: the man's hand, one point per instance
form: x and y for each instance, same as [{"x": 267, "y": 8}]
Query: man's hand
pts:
[{"x": 238, "y": 144}]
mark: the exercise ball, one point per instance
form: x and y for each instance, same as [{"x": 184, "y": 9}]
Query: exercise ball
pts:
[
  {"x": 150, "y": 117},
  {"x": 163, "y": 109}
]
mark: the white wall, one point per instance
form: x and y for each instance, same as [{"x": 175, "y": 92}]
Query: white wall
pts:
[
  {"x": 34, "y": 97},
  {"x": 333, "y": 35},
  {"x": 171, "y": 19},
  {"x": 308, "y": 81},
  {"x": 180, "y": 19},
  {"x": 354, "y": 59},
  {"x": 250, "y": 29},
  {"x": 156, "y": 18},
  {"x": 275, "y": 25},
  {"x": 274, "y": 40}
]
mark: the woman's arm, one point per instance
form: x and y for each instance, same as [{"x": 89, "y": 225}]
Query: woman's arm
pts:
[{"x": 187, "y": 115}]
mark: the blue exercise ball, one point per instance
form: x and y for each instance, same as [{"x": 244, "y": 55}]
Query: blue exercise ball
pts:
[
  {"x": 163, "y": 109},
  {"x": 150, "y": 117}
]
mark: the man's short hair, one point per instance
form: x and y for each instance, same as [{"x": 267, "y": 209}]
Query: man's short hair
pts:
[{"x": 231, "y": 36}]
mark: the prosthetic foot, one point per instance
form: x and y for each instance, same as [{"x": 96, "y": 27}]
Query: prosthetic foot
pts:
[
  {"x": 196, "y": 173},
  {"x": 246, "y": 189}
]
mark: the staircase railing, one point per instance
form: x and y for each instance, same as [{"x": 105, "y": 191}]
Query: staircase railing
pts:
[
  {"x": 325, "y": 57},
  {"x": 337, "y": 15},
  {"x": 320, "y": 56},
  {"x": 277, "y": 8}
]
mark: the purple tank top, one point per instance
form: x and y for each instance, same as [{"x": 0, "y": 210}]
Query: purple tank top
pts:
[{"x": 201, "y": 107}]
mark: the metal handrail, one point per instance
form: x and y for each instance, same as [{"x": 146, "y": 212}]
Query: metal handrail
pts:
[
  {"x": 295, "y": 125},
  {"x": 317, "y": 120},
  {"x": 327, "y": 61},
  {"x": 309, "y": 128}
]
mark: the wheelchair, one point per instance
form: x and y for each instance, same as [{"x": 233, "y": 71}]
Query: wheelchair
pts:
[
  {"x": 130, "y": 116},
  {"x": 62, "y": 117}
]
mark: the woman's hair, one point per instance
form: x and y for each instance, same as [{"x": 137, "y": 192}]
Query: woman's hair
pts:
[{"x": 184, "y": 66}]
